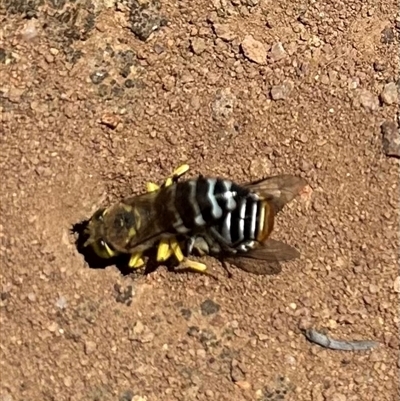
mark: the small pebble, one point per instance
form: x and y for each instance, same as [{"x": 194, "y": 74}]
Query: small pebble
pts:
[
  {"x": 281, "y": 92},
  {"x": 277, "y": 52},
  {"x": 67, "y": 381},
  {"x": 198, "y": 45},
  {"x": 254, "y": 50},
  {"x": 368, "y": 100},
  {"x": 223, "y": 32},
  {"x": 30, "y": 31},
  {"x": 193, "y": 331},
  {"x": 209, "y": 307},
  {"x": 61, "y": 303},
  {"x": 32, "y": 297},
  {"x": 129, "y": 83},
  {"x": 390, "y": 138},
  {"x": 237, "y": 374},
  {"x": 14, "y": 94},
  {"x": 243, "y": 384},
  {"x": 388, "y": 35},
  {"x": 373, "y": 289},
  {"x": 223, "y": 104},
  {"x": 141, "y": 333},
  {"x": 378, "y": 66},
  {"x": 390, "y": 94},
  {"x": 234, "y": 324},
  {"x": 201, "y": 353},
  {"x": 49, "y": 58},
  {"x": 290, "y": 360},
  {"x": 263, "y": 337},
  {"x": 186, "y": 313},
  {"x": 396, "y": 285},
  {"x": 52, "y": 327},
  {"x": 367, "y": 299},
  {"x": 3, "y": 55},
  {"x": 110, "y": 120},
  {"x": 98, "y": 76},
  {"x": 138, "y": 328},
  {"x": 90, "y": 347},
  {"x": 332, "y": 324},
  {"x": 303, "y": 138}
]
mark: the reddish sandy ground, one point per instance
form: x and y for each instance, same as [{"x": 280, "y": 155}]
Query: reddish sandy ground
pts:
[{"x": 239, "y": 89}]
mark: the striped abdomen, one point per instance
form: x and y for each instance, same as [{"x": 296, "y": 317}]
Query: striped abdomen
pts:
[{"x": 239, "y": 216}]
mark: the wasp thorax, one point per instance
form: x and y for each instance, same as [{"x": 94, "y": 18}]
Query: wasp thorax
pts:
[{"x": 119, "y": 226}]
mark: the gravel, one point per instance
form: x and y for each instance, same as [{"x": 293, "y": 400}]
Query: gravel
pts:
[{"x": 70, "y": 145}]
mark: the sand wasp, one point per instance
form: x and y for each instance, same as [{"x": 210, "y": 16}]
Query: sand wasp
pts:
[{"x": 210, "y": 215}]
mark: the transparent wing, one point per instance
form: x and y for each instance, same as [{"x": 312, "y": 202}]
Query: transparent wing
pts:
[
  {"x": 279, "y": 189},
  {"x": 273, "y": 251},
  {"x": 145, "y": 200},
  {"x": 265, "y": 259}
]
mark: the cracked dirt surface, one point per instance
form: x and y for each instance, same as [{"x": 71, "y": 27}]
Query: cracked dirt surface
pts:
[{"x": 98, "y": 97}]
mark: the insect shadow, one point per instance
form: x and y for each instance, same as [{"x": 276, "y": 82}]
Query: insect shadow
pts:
[{"x": 120, "y": 261}]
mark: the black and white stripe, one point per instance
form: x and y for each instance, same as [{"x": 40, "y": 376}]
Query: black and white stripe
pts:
[
  {"x": 242, "y": 225},
  {"x": 233, "y": 211}
]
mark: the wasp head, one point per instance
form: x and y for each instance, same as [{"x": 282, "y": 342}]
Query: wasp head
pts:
[
  {"x": 96, "y": 232},
  {"x": 110, "y": 230}
]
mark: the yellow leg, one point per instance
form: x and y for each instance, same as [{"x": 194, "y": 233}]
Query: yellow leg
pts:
[
  {"x": 151, "y": 187},
  {"x": 191, "y": 264},
  {"x": 181, "y": 170},
  {"x": 164, "y": 251},
  {"x": 176, "y": 249},
  {"x": 196, "y": 266},
  {"x": 136, "y": 261}
]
